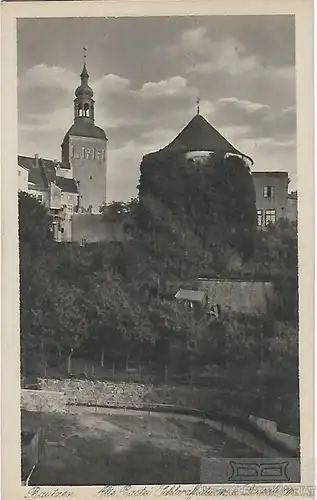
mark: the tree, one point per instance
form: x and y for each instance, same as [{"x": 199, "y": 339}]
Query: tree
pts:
[
  {"x": 34, "y": 221},
  {"x": 121, "y": 215},
  {"x": 276, "y": 258}
]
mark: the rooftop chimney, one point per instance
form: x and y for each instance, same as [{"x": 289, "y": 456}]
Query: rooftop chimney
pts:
[{"x": 36, "y": 156}]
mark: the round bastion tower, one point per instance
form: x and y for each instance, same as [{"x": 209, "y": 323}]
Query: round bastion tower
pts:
[{"x": 84, "y": 149}]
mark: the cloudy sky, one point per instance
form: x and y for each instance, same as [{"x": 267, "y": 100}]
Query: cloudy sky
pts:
[{"x": 146, "y": 74}]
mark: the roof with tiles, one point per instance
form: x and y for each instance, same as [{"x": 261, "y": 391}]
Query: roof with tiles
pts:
[
  {"x": 66, "y": 185},
  {"x": 43, "y": 171}
]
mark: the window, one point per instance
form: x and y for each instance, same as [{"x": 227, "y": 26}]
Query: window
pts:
[
  {"x": 83, "y": 243},
  {"x": 70, "y": 209},
  {"x": 86, "y": 110},
  {"x": 103, "y": 155},
  {"x": 69, "y": 197},
  {"x": 98, "y": 155},
  {"x": 83, "y": 152},
  {"x": 93, "y": 154},
  {"x": 90, "y": 177},
  {"x": 73, "y": 152},
  {"x": 259, "y": 214},
  {"x": 39, "y": 197},
  {"x": 88, "y": 154},
  {"x": 270, "y": 216},
  {"x": 19, "y": 173},
  {"x": 269, "y": 192}
]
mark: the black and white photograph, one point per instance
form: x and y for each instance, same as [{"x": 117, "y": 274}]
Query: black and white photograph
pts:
[{"x": 157, "y": 191}]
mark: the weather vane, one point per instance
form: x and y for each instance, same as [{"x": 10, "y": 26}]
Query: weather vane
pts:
[
  {"x": 85, "y": 53},
  {"x": 197, "y": 102}
]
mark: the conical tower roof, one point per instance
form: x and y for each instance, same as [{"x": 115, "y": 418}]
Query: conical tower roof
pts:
[{"x": 200, "y": 135}]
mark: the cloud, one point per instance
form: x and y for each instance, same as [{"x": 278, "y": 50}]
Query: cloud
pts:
[
  {"x": 194, "y": 41},
  {"x": 44, "y": 76},
  {"x": 260, "y": 120},
  {"x": 228, "y": 55},
  {"x": 173, "y": 87},
  {"x": 247, "y": 106},
  {"x": 54, "y": 121},
  {"x": 110, "y": 84}
]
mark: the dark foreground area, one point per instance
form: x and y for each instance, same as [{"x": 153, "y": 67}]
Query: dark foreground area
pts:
[{"x": 96, "y": 449}]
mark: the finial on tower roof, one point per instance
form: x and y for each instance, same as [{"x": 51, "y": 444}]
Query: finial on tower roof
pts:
[
  {"x": 84, "y": 74},
  {"x": 197, "y": 102}
]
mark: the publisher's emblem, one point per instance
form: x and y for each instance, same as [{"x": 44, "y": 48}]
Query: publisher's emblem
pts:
[{"x": 259, "y": 472}]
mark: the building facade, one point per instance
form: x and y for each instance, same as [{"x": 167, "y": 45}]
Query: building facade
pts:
[
  {"x": 292, "y": 208},
  {"x": 271, "y": 190},
  {"x": 58, "y": 194}
]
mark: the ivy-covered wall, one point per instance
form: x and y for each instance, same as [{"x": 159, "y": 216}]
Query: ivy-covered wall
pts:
[{"x": 215, "y": 198}]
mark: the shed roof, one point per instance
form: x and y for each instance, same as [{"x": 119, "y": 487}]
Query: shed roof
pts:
[{"x": 192, "y": 295}]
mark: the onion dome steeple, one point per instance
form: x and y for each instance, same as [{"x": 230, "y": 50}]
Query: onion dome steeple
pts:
[
  {"x": 84, "y": 115},
  {"x": 84, "y": 103}
]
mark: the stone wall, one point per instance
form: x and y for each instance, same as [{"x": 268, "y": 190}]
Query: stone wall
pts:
[
  {"x": 54, "y": 394},
  {"x": 32, "y": 443},
  {"x": 43, "y": 401},
  {"x": 270, "y": 429},
  {"x": 96, "y": 392},
  {"x": 92, "y": 228},
  {"x": 237, "y": 295}
]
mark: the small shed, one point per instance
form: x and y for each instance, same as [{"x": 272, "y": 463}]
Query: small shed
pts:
[{"x": 193, "y": 299}]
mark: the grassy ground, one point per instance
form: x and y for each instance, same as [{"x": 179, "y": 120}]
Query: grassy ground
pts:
[{"x": 95, "y": 449}]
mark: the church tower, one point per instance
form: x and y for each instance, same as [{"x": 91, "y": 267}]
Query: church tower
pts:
[{"x": 84, "y": 149}]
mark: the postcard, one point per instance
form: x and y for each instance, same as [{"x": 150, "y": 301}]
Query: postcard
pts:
[{"x": 157, "y": 249}]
